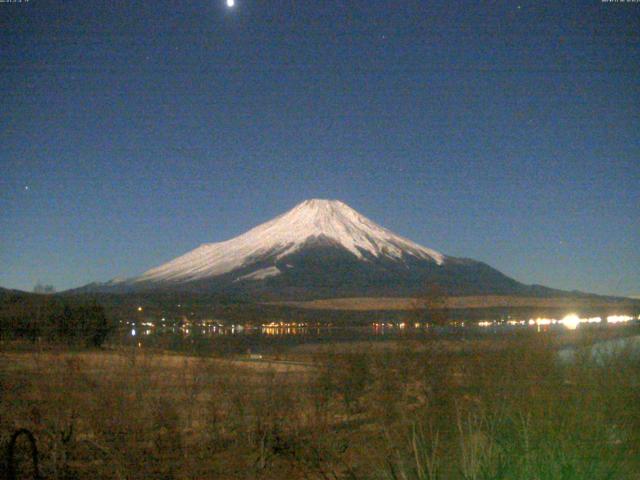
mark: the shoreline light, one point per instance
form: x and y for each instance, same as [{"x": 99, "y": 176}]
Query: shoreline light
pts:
[{"x": 571, "y": 321}]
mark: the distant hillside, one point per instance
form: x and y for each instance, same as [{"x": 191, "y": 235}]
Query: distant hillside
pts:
[
  {"x": 6, "y": 292},
  {"x": 470, "y": 302}
]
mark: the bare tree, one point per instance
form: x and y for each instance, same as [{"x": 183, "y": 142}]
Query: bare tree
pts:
[{"x": 430, "y": 306}]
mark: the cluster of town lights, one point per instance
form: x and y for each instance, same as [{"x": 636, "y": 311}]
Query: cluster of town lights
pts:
[
  {"x": 279, "y": 328},
  {"x": 403, "y": 325},
  {"x": 571, "y": 321},
  {"x": 284, "y": 325}
]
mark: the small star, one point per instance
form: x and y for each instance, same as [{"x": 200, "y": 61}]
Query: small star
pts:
[
  {"x": 519, "y": 7},
  {"x": 26, "y": 187}
]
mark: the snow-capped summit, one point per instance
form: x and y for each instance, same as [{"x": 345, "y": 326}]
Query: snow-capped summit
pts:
[
  {"x": 318, "y": 249},
  {"x": 328, "y": 221}
]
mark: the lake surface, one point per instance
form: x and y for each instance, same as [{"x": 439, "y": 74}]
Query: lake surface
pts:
[
  {"x": 271, "y": 337},
  {"x": 602, "y": 350}
]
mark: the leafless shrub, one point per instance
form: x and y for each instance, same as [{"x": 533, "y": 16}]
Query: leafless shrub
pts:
[{"x": 412, "y": 411}]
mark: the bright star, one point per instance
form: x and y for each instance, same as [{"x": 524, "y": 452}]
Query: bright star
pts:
[{"x": 231, "y": 3}]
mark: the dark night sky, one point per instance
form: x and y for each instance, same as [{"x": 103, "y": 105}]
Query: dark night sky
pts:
[{"x": 132, "y": 131}]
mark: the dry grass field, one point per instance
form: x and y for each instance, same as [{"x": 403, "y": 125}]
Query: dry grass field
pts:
[
  {"x": 414, "y": 410},
  {"x": 468, "y": 302}
]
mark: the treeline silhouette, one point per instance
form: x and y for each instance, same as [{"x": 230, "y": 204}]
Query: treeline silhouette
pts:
[{"x": 53, "y": 319}]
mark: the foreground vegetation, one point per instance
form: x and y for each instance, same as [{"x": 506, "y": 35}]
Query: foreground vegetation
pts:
[{"x": 416, "y": 410}]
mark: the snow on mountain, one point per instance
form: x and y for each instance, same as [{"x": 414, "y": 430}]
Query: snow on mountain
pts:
[
  {"x": 260, "y": 274},
  {"x": 288, "y": 233}
]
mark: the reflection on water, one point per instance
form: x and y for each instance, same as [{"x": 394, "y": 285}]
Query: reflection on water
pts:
[
  {"x": 603, "y": 350},
  {"x": 294, "y": 328},
  {"x": 211, "y": 328}
]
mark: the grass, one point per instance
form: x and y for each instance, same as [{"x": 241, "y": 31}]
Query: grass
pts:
[
  {"x": 467, "y": 302},
  {"x": 416, "y": 410}
]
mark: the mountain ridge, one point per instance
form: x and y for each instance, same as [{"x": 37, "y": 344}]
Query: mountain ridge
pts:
[{"x": 320, "y": 249}]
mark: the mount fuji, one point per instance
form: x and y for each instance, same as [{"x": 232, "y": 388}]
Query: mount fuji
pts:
[{"x": 320, "y": 249}]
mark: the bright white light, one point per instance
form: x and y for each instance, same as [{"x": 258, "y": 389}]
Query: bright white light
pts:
[
  {"x": 133, "y": 332},
  {"x": 571, "y": 321},
  {"x": 618, "y": 318},
  {"x": 231, "y": 3}
]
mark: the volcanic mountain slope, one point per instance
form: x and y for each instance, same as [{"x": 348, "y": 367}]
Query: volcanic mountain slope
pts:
[{"x": 321, "y": 249}]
